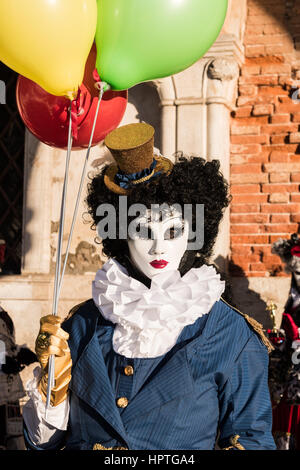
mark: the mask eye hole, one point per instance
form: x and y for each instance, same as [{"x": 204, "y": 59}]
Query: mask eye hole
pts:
[
  {"x": 143, "y": 232},
  {"x": 174, "y": 232},
  {"x": 297, "y": 272}
]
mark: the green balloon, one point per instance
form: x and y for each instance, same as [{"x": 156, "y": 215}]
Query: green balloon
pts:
[{"x": 141, "y": 40}]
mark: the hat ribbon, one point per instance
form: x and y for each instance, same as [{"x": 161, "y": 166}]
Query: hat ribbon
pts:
[{"x": 128, "y": 180}]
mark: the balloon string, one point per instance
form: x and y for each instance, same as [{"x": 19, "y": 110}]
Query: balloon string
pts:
[
  {"x": 58, "y": 258},
  {"x": 75, "y": 107},
  {"x": 101, "y": 92}
]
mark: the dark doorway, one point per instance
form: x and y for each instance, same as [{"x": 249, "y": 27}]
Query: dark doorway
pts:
[{"x": 12, "y": 136}]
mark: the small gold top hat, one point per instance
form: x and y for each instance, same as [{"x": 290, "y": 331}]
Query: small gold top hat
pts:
[{"x": 132, "y": 147}]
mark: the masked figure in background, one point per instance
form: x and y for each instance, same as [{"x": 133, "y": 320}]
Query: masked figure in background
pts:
[
  {"x": 156, "y": 359},
  {"x": 285, "y": 360},
  {"x": 13, "y": 359}
]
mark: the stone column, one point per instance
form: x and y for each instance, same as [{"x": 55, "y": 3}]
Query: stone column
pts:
[
  {"x": 166, "y": 92},
  {"x": 222, "y": 74}
]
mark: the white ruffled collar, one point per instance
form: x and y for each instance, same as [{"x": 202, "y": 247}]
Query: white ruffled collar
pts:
[{"x": 149, "y": 321}]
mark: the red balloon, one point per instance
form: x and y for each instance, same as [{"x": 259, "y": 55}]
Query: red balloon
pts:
[{"x": 46, "y": 115}]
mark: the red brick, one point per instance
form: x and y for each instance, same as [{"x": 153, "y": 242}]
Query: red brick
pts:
[
  {"x": 260, "y": 19},
  {"x": 238, "y": 159},
  {"x": 250, "y": 218},
  {"x": 254, "y": 51},
  {"x": 295, "y": 138},
  {"x": 295, "y": 178},
  {"x": 296, "y": 117},
  {"x": 245, "y": 149},
  {"x": 253, "y": 69},
  {"x": 255, "y": 9},
  {"x": 271, "y": 260},
  {"x": 244, "y": 111},
  {"x": 250, "y": 198},
  {"x": 257, "y": 267},
  {"x": 244, "y": 261},
  {"x": 279, "y": 129},
  {"x": 285, "y": 99},
  {"x": 276, "y": 68},
  {"x": 280, "y": 118},
  {"x": 295, "y": 197},
  {"x": 286, "y": 82},
  {"x": 262, "y": 110},
  {"x": 244, "y": 208},
  {"x": 245, "y": 130},
  {"x": 294, "y": 158},
  {"x": 250, "y": 139},
  {"x": 254, "y": 29},
  {"x": 281, "y": 157},
  {"x": 241, "y": 159},
  {"x": 263, "y": 250},
  {"x": 280, "y": 228},
  {"x": 251, "y": 121},
  {"x": 281, "y": 198},
  {"x": 262, "y": 157},
  {"x": 244, "y": 228},
  {"x": 249, "y": 178},
  {"x": 279, "y": 177},
  {"x": 246, "y": 101},
  {"x": 272, "y": 90},
  {"x": 280, "y": 219},
  {"x": 280, "y": 208},
  {"x": 275, "y": 238},
  {"x": 250, "y": 239},
  {"x": 281, "y": 167},
  {"x": 278, "y": 139},
  {"x": 245, "y": 188},
  {"x": 280, "y": 188},
  {"x": 278, "y": 48},
  {"x": 255, "y": 274},
  {"x": 295, "y": 218},
  {"x": 247, "y": 168},
  {"x": 289, "y": 148},
  {"x": 241, "y": 250},
  {"x": 249, "y": 90},
  {"x": 258, "y": 80},
  {"x": 271, "y": 28},
  {"x": 287, "y": 108},
  {"x": 265, "y": 99}
]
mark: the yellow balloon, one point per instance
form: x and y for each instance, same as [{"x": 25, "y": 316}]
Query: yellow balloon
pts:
[{"x": 48, "y": 41}]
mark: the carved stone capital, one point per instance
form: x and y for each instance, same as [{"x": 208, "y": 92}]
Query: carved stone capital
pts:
[{"x": 223, "y": 69}]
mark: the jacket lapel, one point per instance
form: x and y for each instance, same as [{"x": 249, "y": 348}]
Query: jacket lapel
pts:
[{"x": 90, "y": 382}]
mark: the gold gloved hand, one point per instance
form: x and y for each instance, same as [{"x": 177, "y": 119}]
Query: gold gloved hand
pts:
[{"x": 52, "y": 339}]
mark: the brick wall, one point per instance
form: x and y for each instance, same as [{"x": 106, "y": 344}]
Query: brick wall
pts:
[{"x": 265, "y": 139}]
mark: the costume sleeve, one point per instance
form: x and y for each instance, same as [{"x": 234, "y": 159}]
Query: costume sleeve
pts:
[
  {"x": 41, "y": 433},
  {"x": 245, "y": 407}
]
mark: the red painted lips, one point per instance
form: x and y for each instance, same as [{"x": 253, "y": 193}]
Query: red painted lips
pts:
[{"x": 159, "y": 264}]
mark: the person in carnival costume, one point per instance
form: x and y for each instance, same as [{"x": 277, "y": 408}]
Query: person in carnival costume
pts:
[
  {"x": 156, "y": 359},
  {"x": 285, "y": 359}
]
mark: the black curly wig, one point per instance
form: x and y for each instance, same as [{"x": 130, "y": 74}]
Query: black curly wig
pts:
[{"x": 194, "y": 181}]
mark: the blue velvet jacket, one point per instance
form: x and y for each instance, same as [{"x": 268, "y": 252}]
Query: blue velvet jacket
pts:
[{"x": 212, "y": 385}]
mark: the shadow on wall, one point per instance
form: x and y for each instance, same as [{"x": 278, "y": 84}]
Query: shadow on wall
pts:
[
  {"x": 285, "y": 13},
  {"x": 239, "y": 295},
  {"x": 144, "y": 97}
]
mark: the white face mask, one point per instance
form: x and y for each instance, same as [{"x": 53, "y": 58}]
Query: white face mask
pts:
[{"x": 161, "y": 244}]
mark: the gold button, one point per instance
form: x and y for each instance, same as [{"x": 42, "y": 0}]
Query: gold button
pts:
[
  {"x": 122, "y": 402},
  {"x": 128, "y": 370}
]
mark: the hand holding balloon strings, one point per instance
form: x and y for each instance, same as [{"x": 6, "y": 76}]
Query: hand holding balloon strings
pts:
[
  {"x": 52, "y": 340},
  {"x": 58, "y": 273}
]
